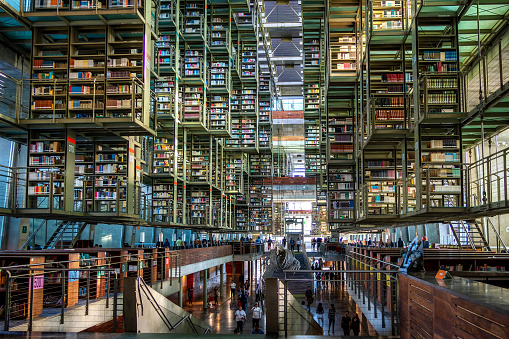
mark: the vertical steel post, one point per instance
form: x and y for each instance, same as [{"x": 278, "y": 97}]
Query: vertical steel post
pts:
[
  {"x": 62, "y": 304},
  {"x": 88, "y": 293},
  {"x": 115, "y": 302},
  {"x": 31, "y": 318},
  {"x": 285, "y": 308},
  {"x": 7, "y": 302}
]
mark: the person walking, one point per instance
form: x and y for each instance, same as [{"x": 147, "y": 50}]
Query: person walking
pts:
[
  {"x": 232, "y": 289},
  {"x": 243, "y": 300},
  {"x": 298, "y": 244},
  {"x": 309, "y": 297},
  {"x": 284, "y": 242},
  {"x": 319, "y": 312},
  {"x": 400, "y": 243},
  {"x": 356, "y": 324},
  {"x": 190, "y": 292},
  {"x": 216, "y": 296},
  {"x": 346, "y": 323},
  {"x": 257, "y": 315},
  {"x": 240, "y": 317},
  {"x": 332, "y": 317},
  {"x": 292, "y": 245},
  {"x": 166, "y": 243}
]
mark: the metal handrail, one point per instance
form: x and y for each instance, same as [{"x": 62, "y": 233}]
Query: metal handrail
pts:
[{"x": 497, "y": 234}]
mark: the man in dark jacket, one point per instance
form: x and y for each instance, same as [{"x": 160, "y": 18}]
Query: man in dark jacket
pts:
[{"x": 400, "y": 243}]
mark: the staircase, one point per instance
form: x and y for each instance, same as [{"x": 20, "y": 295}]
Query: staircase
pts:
[
  {"x": 297, "y": 288},
  {"x": 469, "y": 234},
  {"x": 66, "y": 235}
]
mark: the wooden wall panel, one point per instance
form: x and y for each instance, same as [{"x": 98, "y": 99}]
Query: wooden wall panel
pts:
[{"x": 431, "y": 311}]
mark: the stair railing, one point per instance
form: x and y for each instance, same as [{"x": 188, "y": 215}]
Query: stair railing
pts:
[
  {"x": 499, "y": 239},
  {"x": 467, "y": 233}
]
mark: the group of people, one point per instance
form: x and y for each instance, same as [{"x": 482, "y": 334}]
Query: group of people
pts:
[
  {"x": 240, "y": 314},
  {"x": 315, "y": 243}
]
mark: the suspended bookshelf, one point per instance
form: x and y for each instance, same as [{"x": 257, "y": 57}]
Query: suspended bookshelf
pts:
[
  {"x": 163, "y": 156},
  {"x": 200, "y": 159},
  {"x": 110, "y": 183},
  {"x": 341, "y": 193},
  {"x": 49, "y": 72},
  {"x": 265, "y": 136},
  {"x": 46, "y": 170},
  {"x": 195, "y": 19},
  {"x": 260, "y": 165},
  {"x": 162, "y": 202},
  {"x": 198, "y": 206}
]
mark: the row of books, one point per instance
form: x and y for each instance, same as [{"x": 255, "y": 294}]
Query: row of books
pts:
[
  {"x": 441, "y": 157},
  {"x": 85, "y": 104},
  {"x": 48, "y": 64},
  {"x": 443, "y": 143},
  {"x": 48, "y": 104},
  {"x": 341, "y": 148},
  {"x": 46, "y": 146},
  {"x": 74, "y": 63},
  {"x": 382, "y": 174},
  {"x": 445, "y": 97},
  {"x": 389, "y": 114},
  {"x": 439, "y": 67},
  {"x": 440, "y": 55},
  {"x": 43, "y": 189},
  {"x": 46, "y": 175},
  {"x": 398, "y": 101},
  {"x": 46, "y": 160},
  {"x": 392, "y": 77},
  {"x": 439, "y": 83}
]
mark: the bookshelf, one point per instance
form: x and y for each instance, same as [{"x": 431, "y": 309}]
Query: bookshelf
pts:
[
  {"x": 46, "y": 170},
  {"x": 311, "y": 100},
  {"x": 312, "y": 51},
  {"x": 167, "y": 53},
  {"x": 312, "y": 136},
  {"x": 265, "y": 136},
  {"x": 110, "y": 182},
  {"x": 195, "y": 19},
  {"x": 50, "y": 54},
  {"x": 249, "y": 62},
  {"x": 380, "y": 180},
  {"x": 439, "y": 167},
  {"x": 194, "y": 69},
  {"x": 260, "y": 165},
  {"x": 163, "y": 156},
  {"x": 264, "y": 82},
  {"x": 265, "y": 109},
  {"x": 241, "y": 217},
  {"x": 87, "y": 69},
  {"x": 83, "y": 180},
  {"x": 387, "y": 15},
  {"x": 341, "y": 191},
  {"x": 249, "y": 102},
  {"x": 219, "y": 76},
  {"x": 340, "y": 132},
  {"x": 343, "y": 55},
  {"x": 165, "y": 93},
  {"x": 220, "y": 27},
  {"x": 220, "y": 120},
  {"x": 233, "y": 172},
  {"x": 194, "y": 105},
  {"x": 315, "y": 163},
  {"x": 200, "y": 160},
  {"x": 168, "y": 13},
  {"x": 162, "y": 201},
  {"x": 198, "y": 203}
]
